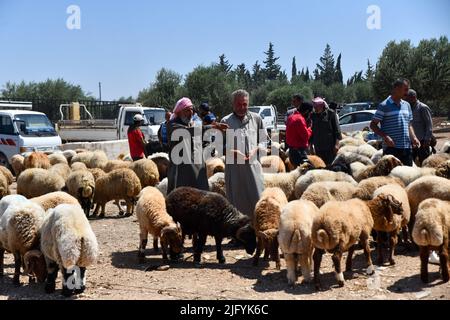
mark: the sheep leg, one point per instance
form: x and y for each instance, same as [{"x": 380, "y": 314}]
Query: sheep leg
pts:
[
  {"x": 2, "y": 257},
  {"x": 155, "y": 244},
  {"x": 443, "y": 259},
  {"x": 366, "y": 246},
  {"x": 97, "y": 207},
  {"x": 424, "y": 255},
  {"x": 117, "y": 203},
  {"x": 198, "y": 249},
  {"x": 291, "y": 266},
  {"x": 67, "y": 282},
  {"x": 275, "y": 253},
  {"x": 349, "y": 262},
  {"x": 82, "y": 276},
  {"x": 266, "y": 252},
  {"x": 102, "y": 215},
  {"x": 52, "y": 274},
  {"x": 129, "y": 208},
  {"x": 220, "y": 256},
  {"x": 337, "y": 256},
  {"x": 405, "y": 233},
  {"x": 317, "y": 257},
  {"x": 259, "y": 248},
  {"x": 142, "y": 246},
  {"x": 379, "y": 248},
  {"x": 305, "y": 265},
  {"x": 17, "y": 265},
  {"x": 392, "y": 243}
]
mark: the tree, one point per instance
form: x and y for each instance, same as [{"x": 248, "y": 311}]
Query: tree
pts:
[
  {"x": 325, "y": 68},
  {"x": 272, "y": 69},
  {"x": 357, "y": 77},
  {"x": 257, "y": 76},
  {"x": 370, "y": 73},
  {"x": 294, "y": 69},
  {"x": 225, "y": 66},
  {"x": 243, "y": 76},
  {"x": 282, "y": 96},
  {"x": 162, "y": 92},
  {"x": 338, "y": 72},
  {"x": 307, "y": 77}
]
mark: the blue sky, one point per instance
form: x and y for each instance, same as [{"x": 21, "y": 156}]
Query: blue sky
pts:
[{"x": 124, "y": 43}]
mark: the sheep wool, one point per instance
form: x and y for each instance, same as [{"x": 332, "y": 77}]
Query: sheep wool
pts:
[
  {"x": 367, "y": 187},
  {"x": 61, "y": 169},
  {"x": 272, "y": 164},
  {"x": 147, "y": 171},
  {"x": 8, "y": 175},
  {"x": 321, "y": 192},
  {"x": 54, "y": 199},
  {"x": 37, "y": 160},
  {"x": 36, "y": 182},
  {"x": 409, "y": 174},
  {"x": 57, "y": 158},
  {"x": 17, "y": 164}
]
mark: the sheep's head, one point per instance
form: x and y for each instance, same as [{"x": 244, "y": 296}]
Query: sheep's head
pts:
[
  {"x": 172, "y": 235},
  {"x": 387, "y": 164},
  {"x": 305, "y": 167},
  {"x": 268, "y": 235},
  {"x": 444, "y": 170},
  {"x": 247, "y": 236},
  {"x": 391, "y": 206},
  {"x": 85, "y": 198},
  {"x": 34, "y": 265}
]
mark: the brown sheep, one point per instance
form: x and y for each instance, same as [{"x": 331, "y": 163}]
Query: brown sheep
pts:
[
  {"x": 4, "y": 187},
  {"x": 431, "y": 232},
  {"x": 213, "y": 166},
  {"x": 37, "y": 182},
  {"x": 8, "y": 175},
  {"x": 444, "y": 170},
  {"x": 367, "y": 187},
  {"x": 266, "y": 222},
  {"x": 56, "y": 158},
  {"x": 163, "y": 164},
  {"x": 435, "y": 160},
  {"x": 154, "y": 219},
  {"x": 17, "y": 164},
  {"x": 321, "y": 192},
  {"x": 272, "y": 164},
  {"x": 147, "y": 171},
  {"x": 315, "y": 161},
  {"x": 54, "y": 199},
  {"x": 37, "y": 160},
  {"x": 382, "y": 168},
  {"x": 97, "y": 173},
  {"x": 117, "y": 185},
  {"x": 115, "y": 164},
  {"x": 62, "y": 169}
]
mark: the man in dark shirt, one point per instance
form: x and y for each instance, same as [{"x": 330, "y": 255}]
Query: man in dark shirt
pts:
[{"x": 326, "y": 131}]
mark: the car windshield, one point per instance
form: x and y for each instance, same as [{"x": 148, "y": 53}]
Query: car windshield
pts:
[
  {"x": 354, "y": 107},
  {"x": 159, "y": 116},
  {"x": 35, "y": 124},
  {"x": 254, "y": 109}
]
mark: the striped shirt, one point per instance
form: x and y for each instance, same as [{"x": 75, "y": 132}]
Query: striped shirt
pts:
[{"x": 395, "y": 121}]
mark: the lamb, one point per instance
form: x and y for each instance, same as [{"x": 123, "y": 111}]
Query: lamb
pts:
[
  {"x": 319, "y": 175},
  {"x": 444, "y": 170},
  {"x": 431, "y": 232},
  {"x": 147, "y": 171},
  {"x": 425, "y": 188},
  {"x": 68, "y": 243},
  {"x": 4, "y": 186},
  {"x": 54, "y": 199},
  {"x": 213, "y": 166},
  {"x": 36, "y": 182},
  {"x": 382, "y": 168},
  {"x": 217, "y": 184},
  {"x": 37, "y": 160},
  {"x": 8, "y": 175},
  {"x": 294, "y": 237},
  {"x": 81, "y": 185},
  {"x": 339, "y": 226},
  {"x": 115, "y": 164},
  {"x": 153, "y": 218},
  {"x": 435, "y": 160},
  {"x": 116, "y": 185},
  {"x": 163, "y": 185},
  {"x": 19, "y": 234},
  {"x": 409, "y": 174},
  {"x": 57, "y": 158},
  {"x": 321, "y": 192},
  {"x": 17, "y": 164},
  {"x": 162, "y": 161},
  {"x": 266, "y": 221},
  {"x": 286, "y": 181},
  {"x": 367, "y": 187},
  {"x": 206, "y": 213},
  {"x": 391, "y": 213},
  {"x": 78, "y": 166},
  {"x": 61, "y": 169}
]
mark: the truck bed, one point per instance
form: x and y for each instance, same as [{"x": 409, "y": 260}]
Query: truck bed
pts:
[{"x": 87, "y": 130}]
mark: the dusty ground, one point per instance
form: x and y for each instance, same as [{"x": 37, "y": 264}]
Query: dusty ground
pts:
[{"x": 118, "y": 275}]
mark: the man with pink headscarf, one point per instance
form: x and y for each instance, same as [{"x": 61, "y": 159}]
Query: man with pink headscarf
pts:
[
  {"x": 326, "y": 131},
  {"x": 186, "y": 174}
]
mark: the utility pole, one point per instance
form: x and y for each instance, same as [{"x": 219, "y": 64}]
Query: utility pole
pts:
[{"x": 100, "y": 91}]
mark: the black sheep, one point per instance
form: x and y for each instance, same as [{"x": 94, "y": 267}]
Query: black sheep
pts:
[{"x": 203, "y": 213}]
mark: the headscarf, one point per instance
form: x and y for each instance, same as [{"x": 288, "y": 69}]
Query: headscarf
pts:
[{"x": 182, "y": 104}]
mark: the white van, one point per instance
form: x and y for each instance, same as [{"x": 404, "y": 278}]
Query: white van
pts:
[{"x": 22, "y": 130}]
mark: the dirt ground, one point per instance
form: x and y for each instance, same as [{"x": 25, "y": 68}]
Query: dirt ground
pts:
[{"x": 118, "y": 275}]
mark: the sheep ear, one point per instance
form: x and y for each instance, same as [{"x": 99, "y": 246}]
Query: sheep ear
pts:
[{"x": 28, "y": 260}]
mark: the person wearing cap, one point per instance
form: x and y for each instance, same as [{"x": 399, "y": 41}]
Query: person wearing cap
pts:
[
  {"x": 297, "y": 137},
  {"x": 205, "y": 114},
  {"x": 395, "y": 116},
  {"x": 423, "y": 126},
  {"x": 326, "y": 131},
  {"x": 188, "y": 173},
  {"x": 136, "y": 139}
]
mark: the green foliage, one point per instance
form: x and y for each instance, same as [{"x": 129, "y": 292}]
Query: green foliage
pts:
[
  {"x": 282, "y": 96},
  {"x": 326, "y": 69},
  {"x": 164, "y": 91},
  {"x": 294, "y": 73},
  {"x": 272, "y": 68},
  {"x": 338, "y": 78}
]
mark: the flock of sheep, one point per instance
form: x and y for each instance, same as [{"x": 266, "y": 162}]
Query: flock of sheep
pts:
[{"x": 304, "y": 211}]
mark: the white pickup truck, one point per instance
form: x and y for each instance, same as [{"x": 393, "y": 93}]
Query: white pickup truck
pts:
[
  {"x": 270, "y": 117},
  {"x": 92, "y": 129}
]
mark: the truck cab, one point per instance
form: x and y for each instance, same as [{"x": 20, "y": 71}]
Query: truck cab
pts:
[
  {"x": 23, "y": 130},
  {"x": 153, "y": 117},
  {"x": 270, "y": 118}
]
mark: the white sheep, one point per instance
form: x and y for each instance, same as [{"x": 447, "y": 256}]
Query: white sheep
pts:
[
  {"x": 377, "y": 156},
  {"x": 81, "y": 185},
  {"x": 366, "y": 150},
  {"x": 68, "y": 243},
  {"x": 162, "y": 186},
  {"x": 319, "y": 175},
  {"x": 286, "y": 181},
  {"x": 54, "y": 199},
  {"x": 431, "y": 231},
  {"x": 339, "y": 226},
  {"x": 55, "y": 158},
  {"x": 409, "y": 174},
  {"x": 36, "y": 182},
  {"x": 19, "y": 233},
  {"x": 294, "y": 237},
  {"x": 321, "y": 192},
  {"x": 61, "y": 169}
]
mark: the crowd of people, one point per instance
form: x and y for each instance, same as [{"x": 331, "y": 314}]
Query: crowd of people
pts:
[{"x": 402, "y": 122}]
